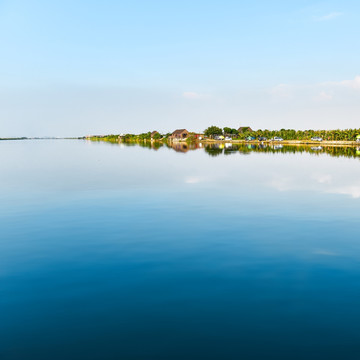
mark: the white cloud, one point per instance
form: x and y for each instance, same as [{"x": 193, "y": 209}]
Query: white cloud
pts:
[
  {"x": 350, "y": 84},
  {"x": 193, "y": 180},
  {"x": 282, "y": 183},
  {"x": 323, "y": 178},
  {"x": 330, "y": 16},
  {"x": 353, "y": 84},
  {"x": 323, "y": 96},
  {"x": 353, "y": 191},
  {"x": 192, "y": 95},
  {"x": 319, "y": 92},
  {"x": 282, "y": 91}
]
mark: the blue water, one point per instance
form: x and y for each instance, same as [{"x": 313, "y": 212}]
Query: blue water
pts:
[{"x": 114, "y": 252}]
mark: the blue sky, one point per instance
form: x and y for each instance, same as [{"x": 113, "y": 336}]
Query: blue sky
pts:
[{"x": 80, "y": 67}]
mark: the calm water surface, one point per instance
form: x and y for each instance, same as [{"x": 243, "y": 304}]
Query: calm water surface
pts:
[{"x": 115, "y": 252}]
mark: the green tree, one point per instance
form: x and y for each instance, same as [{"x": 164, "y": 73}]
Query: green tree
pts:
[
  {"x": 145, "y": 136},
  {"x": 213, "y": 131},
  {"x": 230, "y": 131},
  {"x": 191, "y": 138},
  {"x": 227, "y": 130}
]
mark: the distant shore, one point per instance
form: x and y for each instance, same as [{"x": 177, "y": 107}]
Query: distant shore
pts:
[
  {"x": 209, "y": 141},
  {"x": 41, "y": 138},
  {"x": 214, "y": 134}
]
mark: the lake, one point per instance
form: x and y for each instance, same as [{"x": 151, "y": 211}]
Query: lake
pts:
[{"x": 110, "y": 251}]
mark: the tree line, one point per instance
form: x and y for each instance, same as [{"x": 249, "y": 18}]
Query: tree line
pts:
[
  {"x": 213, "y": 131},
  {"x": 286, "y": 134}
]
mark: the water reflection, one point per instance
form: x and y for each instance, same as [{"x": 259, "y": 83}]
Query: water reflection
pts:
[
  {"x": 184, "y": 147},
  {"x": 216, "y": 149},
  {"x": 120, "y": 252},
  {"x": 338, "y": 151}
]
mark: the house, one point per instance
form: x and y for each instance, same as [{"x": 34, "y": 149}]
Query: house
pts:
[
  {"x": 180, "y": 134},
  {"x": 153, "y": 134},
  {"x": 245, "y": 129}
]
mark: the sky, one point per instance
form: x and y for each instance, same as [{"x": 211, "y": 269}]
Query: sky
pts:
[{"x": 73, "y": 68}]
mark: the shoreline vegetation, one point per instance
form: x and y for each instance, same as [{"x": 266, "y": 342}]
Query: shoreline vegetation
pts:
[
  {"x": 225, "y": 148},
  {"x": 15, "y": 138},
  {"x": 336, "y": 143},
  {"x": 214, "y": 134}
]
